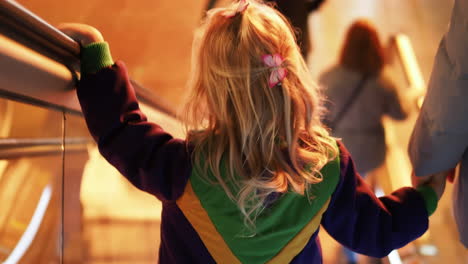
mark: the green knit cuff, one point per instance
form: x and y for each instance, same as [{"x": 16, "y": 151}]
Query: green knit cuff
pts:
[
  {"x": 95, "y": 56},
  {"x": 430, "y": 198}
]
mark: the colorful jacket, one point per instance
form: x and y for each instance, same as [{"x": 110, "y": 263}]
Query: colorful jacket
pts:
[{"x": 199, "y": 224}]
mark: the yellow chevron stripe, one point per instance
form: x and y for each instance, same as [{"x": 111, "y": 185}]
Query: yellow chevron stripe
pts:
[
  {"x": 201, "y": 222},
  {"x": 298, "y": 243}
]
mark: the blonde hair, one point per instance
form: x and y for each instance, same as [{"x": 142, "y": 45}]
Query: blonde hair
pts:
[{"x": 270, "y": 139}]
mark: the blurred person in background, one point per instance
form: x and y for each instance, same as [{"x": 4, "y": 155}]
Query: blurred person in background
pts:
[
  {"x": 358, "y": 96},
  {"x": 297, "y": 12}
]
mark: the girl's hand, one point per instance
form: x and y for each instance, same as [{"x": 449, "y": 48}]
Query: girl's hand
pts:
[
  {"x": 83, "y": 34},
  {"x": 436, "y": 181}
]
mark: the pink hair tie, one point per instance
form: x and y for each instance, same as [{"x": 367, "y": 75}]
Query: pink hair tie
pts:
[
  {"x": 243, "y": 4},
  {"x": 278, "y": 72}
]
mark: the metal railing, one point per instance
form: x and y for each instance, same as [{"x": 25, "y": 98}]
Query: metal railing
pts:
[{"x": 12, "y": 148}]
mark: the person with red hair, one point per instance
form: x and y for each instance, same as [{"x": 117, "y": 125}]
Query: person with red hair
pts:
[{"x": 358, "y": 95}]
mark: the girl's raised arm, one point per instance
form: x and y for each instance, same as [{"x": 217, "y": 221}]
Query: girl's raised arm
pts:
[{"x": 143, "y": 152}]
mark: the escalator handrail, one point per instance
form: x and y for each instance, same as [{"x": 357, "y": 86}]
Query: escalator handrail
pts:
[
  {"x": 30, "y": 25},
  {"x": 27, "y": 20},
  {"x": 408, "y": 61}
]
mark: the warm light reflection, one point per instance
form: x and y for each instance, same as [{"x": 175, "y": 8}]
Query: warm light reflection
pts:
[
  {"x": 394, "y": 257},
  {"x": 31, "y": 230},
  {"x": 410, "y": 63}
]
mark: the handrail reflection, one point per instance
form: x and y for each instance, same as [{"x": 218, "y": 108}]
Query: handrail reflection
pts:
[
  {"x": 28, "y": 236},
  {"x": 410, "y": 66}
]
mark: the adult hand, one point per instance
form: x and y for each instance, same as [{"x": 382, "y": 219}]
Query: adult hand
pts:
[
  {"x": 84, "y": 34},
  {"x": 451, "y": 175},
  {"x": 436, "y": 181}
]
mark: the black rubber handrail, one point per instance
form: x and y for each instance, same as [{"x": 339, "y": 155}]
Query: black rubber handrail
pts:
[{"x": 31, "y": 26}]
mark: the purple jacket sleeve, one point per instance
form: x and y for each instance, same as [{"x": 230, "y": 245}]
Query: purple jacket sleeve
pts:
[
  {"x": 369, "y": 225},
  {"x": 143, "y": 152}
]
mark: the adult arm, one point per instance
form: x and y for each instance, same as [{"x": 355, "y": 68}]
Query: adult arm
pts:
[
  {"x": 440, "y": 136},
  {"x": 393, "y": 105},
  {"x": 375, "y": 226}
]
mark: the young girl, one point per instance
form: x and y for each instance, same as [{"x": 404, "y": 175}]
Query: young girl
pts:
[{"x": 258, "y": 173}]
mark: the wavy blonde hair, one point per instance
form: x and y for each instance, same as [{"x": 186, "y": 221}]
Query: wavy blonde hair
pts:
[{"x": 270, "y": 139}]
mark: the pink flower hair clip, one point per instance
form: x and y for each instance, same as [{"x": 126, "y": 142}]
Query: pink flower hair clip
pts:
[
  {"x": 243, "y": 4},
  {"x": 278, "y": 72}
]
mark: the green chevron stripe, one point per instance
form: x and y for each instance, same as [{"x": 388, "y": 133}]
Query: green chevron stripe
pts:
[{"x": 276, "y": 225}]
